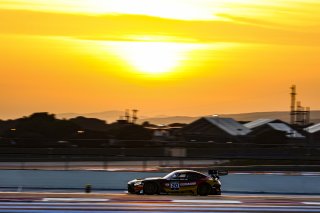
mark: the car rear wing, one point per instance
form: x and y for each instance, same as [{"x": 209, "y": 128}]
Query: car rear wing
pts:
[{"x": 217, "y": 173}]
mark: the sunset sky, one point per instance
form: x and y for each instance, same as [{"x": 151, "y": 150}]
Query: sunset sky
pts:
[{"x": 168, "y": 57}]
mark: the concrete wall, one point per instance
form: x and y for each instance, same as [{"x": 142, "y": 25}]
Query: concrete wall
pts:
[
  {"x": 254, "y": 183},
  {"x": 69, "y": 179},
  {"x": 272, "y": 183}
]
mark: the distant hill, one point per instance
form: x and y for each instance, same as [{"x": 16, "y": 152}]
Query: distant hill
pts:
[
  {"x": 111, "y": 116},
  {"x": 169, "y": 119},
  {"x": 315, "y": 116},
  {"x": 108, "y": 116},
  {"x": 256, "y": 115}
]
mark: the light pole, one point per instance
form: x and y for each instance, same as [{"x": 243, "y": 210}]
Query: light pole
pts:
[{"x": 13, "y": 134}]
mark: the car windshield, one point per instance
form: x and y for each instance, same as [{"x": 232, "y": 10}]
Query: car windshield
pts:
[
  {"x": 176, "y": 175},
  {"x": 170, "y": 175}
]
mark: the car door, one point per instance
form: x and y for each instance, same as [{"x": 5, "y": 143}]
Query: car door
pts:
[
  {"x": 183, "y": 182},
  {"x": 174, "y": 182},
  {"x": 189, "y": 182}
]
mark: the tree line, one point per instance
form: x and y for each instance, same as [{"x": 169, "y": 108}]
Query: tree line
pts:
[{"x": 44, "y": 129}]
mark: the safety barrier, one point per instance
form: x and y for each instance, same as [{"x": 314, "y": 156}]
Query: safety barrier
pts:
[{"x": 104, "y": 180}]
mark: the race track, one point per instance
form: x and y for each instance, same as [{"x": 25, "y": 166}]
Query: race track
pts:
[{"x": 42, "y": 202}]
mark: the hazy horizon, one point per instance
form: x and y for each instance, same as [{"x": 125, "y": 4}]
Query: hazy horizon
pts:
[{"x": 116, "y": 114}]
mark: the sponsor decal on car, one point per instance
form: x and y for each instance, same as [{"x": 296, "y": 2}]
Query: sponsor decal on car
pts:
[
  {"x": 188, "y": 184},
  {"x": 174, "y": 185}
]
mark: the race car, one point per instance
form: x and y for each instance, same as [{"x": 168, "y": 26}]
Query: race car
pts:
[{"x": 179, "y": 181}]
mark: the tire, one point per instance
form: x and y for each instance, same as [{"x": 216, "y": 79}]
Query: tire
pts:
[
  {"x": 130, "y": 189},
  {"x": 204, "y": 190},
  {"x": 150, "y": 188},
  {"x": 217, "y": 191}
]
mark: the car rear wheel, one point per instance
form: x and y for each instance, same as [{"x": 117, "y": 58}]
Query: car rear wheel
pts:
[
  {"x": 204, "y": 190},
  {"x": 150, "y": 188}
]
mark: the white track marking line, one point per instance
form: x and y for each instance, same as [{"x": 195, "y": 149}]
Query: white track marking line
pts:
[
  {"x": 74, "y": 199},
  {"x": 207, "y": 201},
  {"x": 311, "y": 203}
]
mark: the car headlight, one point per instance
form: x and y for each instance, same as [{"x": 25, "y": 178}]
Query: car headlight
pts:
[
  {"x": 138, "y": 183},
  {"x": 218, "y": 181}
]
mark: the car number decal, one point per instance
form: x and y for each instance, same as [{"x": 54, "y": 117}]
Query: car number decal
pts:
[{"x": 174, "y": 185}]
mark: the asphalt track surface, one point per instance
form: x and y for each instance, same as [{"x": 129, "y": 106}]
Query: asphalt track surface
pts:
[{"x": 44, "y": 202}]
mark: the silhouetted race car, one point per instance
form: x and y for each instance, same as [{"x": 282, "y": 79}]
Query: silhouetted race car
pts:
[{"x": 179, "y": 181}]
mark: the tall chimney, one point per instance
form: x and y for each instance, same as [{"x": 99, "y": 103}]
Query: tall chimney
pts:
[{"x": 293, "y": 104}]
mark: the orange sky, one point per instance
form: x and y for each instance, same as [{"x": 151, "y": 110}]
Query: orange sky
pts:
[{"x": 172, "y": 57}]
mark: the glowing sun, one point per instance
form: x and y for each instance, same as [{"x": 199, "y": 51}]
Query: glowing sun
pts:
[{"x": 153, "y": 58}]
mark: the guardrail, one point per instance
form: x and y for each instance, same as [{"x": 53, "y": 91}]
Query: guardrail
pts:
[
  {"x": 153, "y": 165},
  {"x": 94, "y": 154}
]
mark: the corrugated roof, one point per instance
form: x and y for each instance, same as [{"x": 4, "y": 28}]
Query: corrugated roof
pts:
[
  {"x": 291, "y": 133},
  {"x": 229, "y": 125},
  {"x": 259, "y": 122},
  {"x": 313, "y": 128}
]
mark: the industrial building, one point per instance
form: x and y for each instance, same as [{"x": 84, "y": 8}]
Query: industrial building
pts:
[
  {"x": 261, "y": 131},
  {"x": 299, "y": 115},
  {"x": 215, "y": 129},
  {"x": 273, "y": 131},
  {"x": 260, "y": 122},
  {"x": 313, "y": 133}
]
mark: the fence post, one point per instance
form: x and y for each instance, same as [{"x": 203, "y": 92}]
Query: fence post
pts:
[
  {"x": 66, "y": 165},
  {"x": 180, "y": 163},
  {"x": 144, "y": 165},
  {"x": 105, "y": 165},
  {"x": 22, "y": 165}
]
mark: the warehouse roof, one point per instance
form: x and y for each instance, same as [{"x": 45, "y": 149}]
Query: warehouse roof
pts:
[
  {"x": 313, "y": 128},
  {"x": 290, "y": 133},
  {"x": 259, "y": 122},
  {"x": 229, "y": 125}
]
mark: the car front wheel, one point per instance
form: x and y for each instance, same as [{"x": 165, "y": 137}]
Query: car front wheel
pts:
[{"x": 150, "y": 188}]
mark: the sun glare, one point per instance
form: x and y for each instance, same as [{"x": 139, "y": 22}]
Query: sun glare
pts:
[
  {"x": 178, "y": 9},
  {"x": 152, "y": 58}
]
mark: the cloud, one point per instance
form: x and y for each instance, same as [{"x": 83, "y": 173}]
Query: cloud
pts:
[
  {"x": 122, "y": 27},
  {"x": 247, "y": 20}
]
